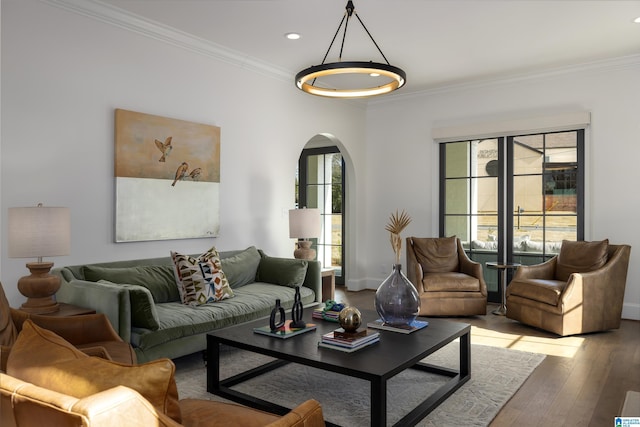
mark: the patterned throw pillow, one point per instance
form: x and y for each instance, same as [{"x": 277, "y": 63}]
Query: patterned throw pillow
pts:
[{"x": 200, "y": 280}]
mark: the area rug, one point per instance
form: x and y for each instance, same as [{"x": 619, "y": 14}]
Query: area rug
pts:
[{"x": 496, "y": 374}]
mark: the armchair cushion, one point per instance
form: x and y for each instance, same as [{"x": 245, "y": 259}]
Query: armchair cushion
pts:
[
  {"x": 580, "y": 257},
  {"x": 436, "y": 255},
  {"x": 542, "y": 290},
  {"x": 46, "y": 360},
  {"x": 450, "y": 282}
]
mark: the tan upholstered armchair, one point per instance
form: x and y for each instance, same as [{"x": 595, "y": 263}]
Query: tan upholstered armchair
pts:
[
  {"x": 91, "y": 333},
  {"x": 448, "y": 282},
  {"x": 578, "y": 291},
  {"x": 49, "y": 382}
]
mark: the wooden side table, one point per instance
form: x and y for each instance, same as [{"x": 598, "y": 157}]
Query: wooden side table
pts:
[
  {"x": 67, "y": 310},
  {"x": 328, "y": 284},
  {"x": 503, "y": 267}
]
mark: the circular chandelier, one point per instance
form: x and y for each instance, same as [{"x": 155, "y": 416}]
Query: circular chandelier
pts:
[{"x": 394, "y": 77}]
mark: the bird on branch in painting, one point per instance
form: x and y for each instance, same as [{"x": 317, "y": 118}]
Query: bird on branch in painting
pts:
[
  {"x": 195, "y": 174},
  {"x": 165, "y": 148},
  {"x": 180, "y": 172}
]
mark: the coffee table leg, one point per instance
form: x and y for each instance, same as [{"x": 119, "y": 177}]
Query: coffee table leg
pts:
[
  {"x": 213, "y": 364},
  {"x": 379, "y": 402}
]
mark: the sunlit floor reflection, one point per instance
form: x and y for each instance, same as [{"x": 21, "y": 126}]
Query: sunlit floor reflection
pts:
[{"x": 556, "y": 346}]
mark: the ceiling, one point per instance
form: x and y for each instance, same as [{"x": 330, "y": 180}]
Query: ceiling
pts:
[{"x": 438, "y": 43}]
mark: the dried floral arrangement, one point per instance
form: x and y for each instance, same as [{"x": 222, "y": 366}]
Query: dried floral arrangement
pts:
[{"x": 397, "y": 223}]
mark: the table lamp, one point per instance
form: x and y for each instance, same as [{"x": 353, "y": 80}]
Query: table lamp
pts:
[
  {"x": 304, "y": 224},
  {"x": 36, "y": 232}
]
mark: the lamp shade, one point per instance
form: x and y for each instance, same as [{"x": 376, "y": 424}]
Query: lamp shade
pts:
[
  {"x": 36, "y": 232},
  {"x": 304, "y": 223}
]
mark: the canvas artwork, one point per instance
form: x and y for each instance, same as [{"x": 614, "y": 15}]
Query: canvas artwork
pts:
[{"x": 167, "y": 178}]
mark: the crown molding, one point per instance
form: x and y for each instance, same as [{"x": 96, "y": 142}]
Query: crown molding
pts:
[
  {"x": 112, "y": 15},
  {"x": 599, "y": 66},
  {"x": 117, "y": 17}
]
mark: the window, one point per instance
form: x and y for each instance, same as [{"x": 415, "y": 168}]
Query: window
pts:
[{"x": 513, "y": 198}]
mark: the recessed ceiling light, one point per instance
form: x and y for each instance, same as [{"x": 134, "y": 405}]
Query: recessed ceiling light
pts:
[
  {"x": 637, "y": 20},
  {"x": 292, "y": 36}
]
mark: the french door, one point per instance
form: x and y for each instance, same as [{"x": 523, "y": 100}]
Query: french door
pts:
[
  {"x": 513, "y": 198},
  {"x": 321, "y": 185}
]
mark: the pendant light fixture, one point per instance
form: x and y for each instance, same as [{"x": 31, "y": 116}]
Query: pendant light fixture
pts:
[{"x": 392, "y": 77}]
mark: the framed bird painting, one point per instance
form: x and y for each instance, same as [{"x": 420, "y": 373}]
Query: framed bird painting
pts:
[{"x": 167, "y": 174}]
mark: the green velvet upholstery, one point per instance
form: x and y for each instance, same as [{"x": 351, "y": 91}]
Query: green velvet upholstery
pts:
[
  {"x": 282, "y": 271},
  {"x": 169, "y": 328}
]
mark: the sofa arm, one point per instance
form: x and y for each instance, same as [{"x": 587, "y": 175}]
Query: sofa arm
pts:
[
  {"x": 471, "y": 268},
  {"x": 112, "y": 301},
  {"x": 313, "y": 279}
]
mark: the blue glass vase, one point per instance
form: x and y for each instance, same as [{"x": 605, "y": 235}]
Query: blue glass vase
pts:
[{"x": 397, "y": 301}]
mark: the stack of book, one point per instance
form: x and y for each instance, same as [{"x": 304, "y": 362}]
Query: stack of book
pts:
[
  {"x": 320, "y": 313},
  {"x": 349, "y": 341},
  {"x": 416, "y": 325}
]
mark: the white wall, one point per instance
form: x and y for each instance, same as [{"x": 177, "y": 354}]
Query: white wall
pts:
[
  {"x": 399, "y": 138},
  {"x": 63, "y": 74}
]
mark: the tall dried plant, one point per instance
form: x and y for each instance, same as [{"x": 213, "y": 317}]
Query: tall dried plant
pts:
[{"x": 397, "y": 223}]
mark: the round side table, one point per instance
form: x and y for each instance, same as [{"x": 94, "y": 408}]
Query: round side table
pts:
[{"x": 503, "y": 267}]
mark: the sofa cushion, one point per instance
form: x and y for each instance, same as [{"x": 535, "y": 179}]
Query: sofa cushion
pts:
[
  {"x": 57, "y": 365},
  {"x": 436, "y": 255},
  {"x": 143, "y": 309},
  {"x": 159, "y": 279},
  {"x": 200, "y": 279},
  {"x": 242, "y": 268},
  {"x": 580, "y": 257},
  {"x": 282, "y": 271}
]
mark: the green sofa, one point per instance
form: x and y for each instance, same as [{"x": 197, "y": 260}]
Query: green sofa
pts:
[{"x": 141, "y": 299}]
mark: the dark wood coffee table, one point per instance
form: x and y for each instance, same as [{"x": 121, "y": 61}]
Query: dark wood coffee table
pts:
[{"x": 377, "y": 363}]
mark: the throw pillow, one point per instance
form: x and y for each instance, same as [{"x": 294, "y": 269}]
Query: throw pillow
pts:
[
  {"x": 580, "y": 257},
  {"x": 143, "y": 309},
  {"x": 436, "y": 255},
  {"x": 43, "y": 358},
  {"x": 282, "y": 271},
  {"x": 241, "y": 269},
  {"x": 158, "y": 279},
  {"x": 200, "y": 279}
]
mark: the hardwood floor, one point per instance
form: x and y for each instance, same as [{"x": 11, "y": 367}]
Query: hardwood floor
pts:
[{"x": 582, "y": 381}]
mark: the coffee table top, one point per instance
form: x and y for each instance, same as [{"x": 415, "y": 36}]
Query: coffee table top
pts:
[{"x": 394, "y": 353}]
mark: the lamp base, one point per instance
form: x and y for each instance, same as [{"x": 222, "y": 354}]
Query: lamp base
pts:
[
  {"x": 39, "y": 288},
  {"x": 304, "y": 250}
]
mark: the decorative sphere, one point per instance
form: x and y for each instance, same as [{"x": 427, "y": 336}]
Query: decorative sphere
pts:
[{"x": 350, "y": 319}]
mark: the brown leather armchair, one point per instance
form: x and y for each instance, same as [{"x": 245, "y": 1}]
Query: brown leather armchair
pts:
[
  {"x": 50, "y": 382},
  {"x": 25, "y": 404},
  {"x": 90, "y": 333},
  {"x": 448, "y": 282},
  {"x": 578, "y": 291}
]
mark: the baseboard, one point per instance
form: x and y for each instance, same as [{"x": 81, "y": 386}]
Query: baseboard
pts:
[
  {"x": 631, "y": 405},
  {"x": 631, "y": 311}
]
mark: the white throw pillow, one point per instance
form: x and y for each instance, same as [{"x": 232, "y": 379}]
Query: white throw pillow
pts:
[{"x": 200, "y": 280}]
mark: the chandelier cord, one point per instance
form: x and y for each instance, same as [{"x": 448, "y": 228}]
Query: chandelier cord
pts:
[{"x": 371, "y": 37}]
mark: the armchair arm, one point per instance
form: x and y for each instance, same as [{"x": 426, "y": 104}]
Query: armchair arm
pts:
[
  {"x": 78, "y": 330},
  {"x": 307, "y": 414},
  {"x": 600, "y": 293},
  {"x": 471, "y": 268},
  {"x": 546, "y": 270}
]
